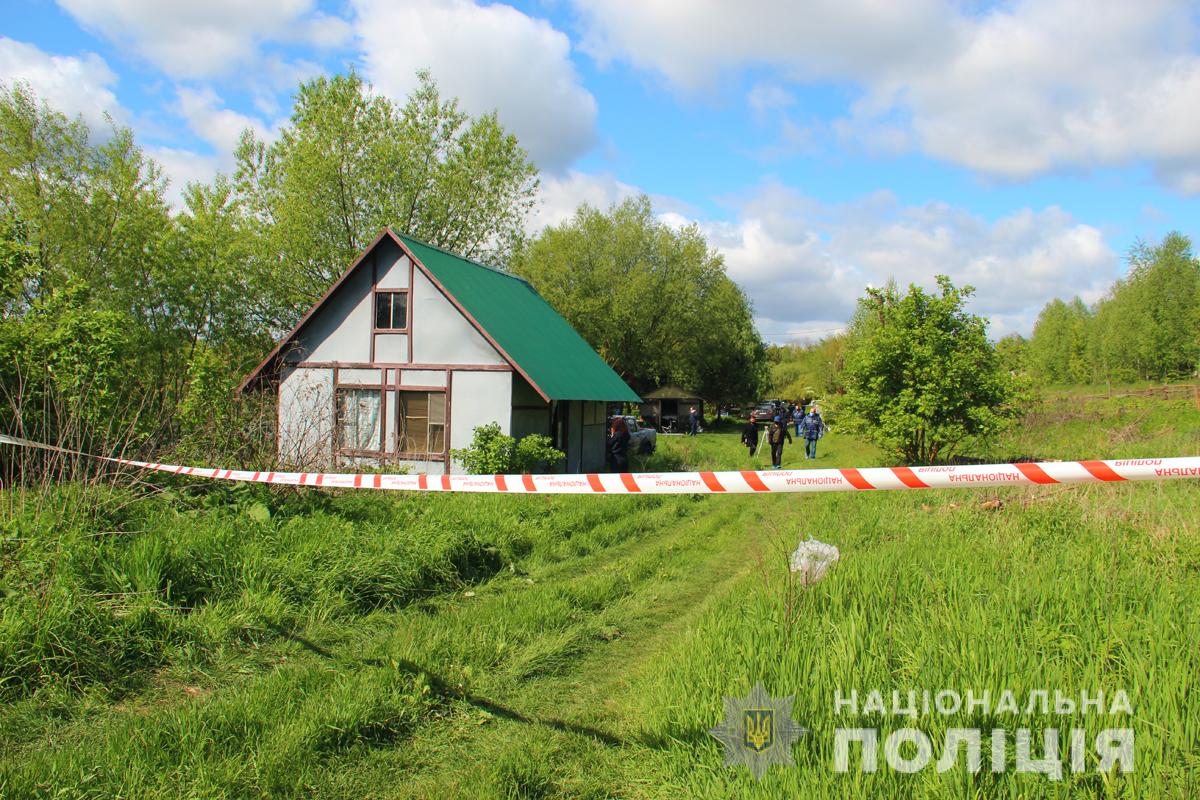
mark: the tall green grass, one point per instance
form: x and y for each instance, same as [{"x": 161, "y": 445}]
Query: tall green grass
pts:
[
  {"x": 102, "y": 586},
  {"x": 212, "y": 641},
  {"x": 1096, "y": 591},
  {"x": 1080, "y": 588}
]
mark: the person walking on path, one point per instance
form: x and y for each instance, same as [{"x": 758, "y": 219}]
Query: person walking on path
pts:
[
  {"x": 812, "y": 428},
  {"x": 750, "y": 435},
  {"x": 693, "y": 421},
  {"x": 797, "y": 418},
  {"x": 775, "y": 438},
  {"x": 617, "y": 446}
]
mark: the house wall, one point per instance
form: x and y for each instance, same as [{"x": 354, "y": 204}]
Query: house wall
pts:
[
  {"x": 305, "y": 433},
  {"x": 391, "y": 266},
  {"x": 478, "y": 398},
  {"x": 530, "y": 413},
  {"x": 575, "y": 437},
  {"x": 341, "y": 329},
  {"x": 594, "y": 429},
  {"x": 423, "y": 377},
  {"x": 391, "y": 347}
]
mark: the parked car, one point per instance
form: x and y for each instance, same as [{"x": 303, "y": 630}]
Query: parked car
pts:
[
  {"x": 642, "y": 439},
  {"x": 766, "y": 410}
]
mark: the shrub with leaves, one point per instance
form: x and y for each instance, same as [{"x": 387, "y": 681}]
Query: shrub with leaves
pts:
[
  {"x": 921, "y": 376},
  {"x": 493, "y": 452},
  {"x": 536, "y": 453}
]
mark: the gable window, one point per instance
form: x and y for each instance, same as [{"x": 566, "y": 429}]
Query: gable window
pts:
[
  {"x": 358, "y": 420},
  {"x": 421, "y": 427},
  {"x": 391, "y": 311}
]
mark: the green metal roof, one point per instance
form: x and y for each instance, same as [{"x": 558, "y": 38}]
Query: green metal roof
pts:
[{"x": 542, "y": 345}]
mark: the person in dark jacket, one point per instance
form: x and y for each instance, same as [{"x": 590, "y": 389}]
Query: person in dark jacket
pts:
[
  {"x": 693, "y": 422},
  {"x": 775, "y": 437},
  {"x": 617, "y": 446},
  {"x": 750, "y": 435},
  {"x": 812, "y": 429},
  {"x": 797, "y": 417}
]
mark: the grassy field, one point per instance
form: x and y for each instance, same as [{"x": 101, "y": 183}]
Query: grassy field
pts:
[{"x": 215, "y": 642}]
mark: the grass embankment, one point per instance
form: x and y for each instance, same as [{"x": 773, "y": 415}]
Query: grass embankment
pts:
[{"x": 371, "y": 646}]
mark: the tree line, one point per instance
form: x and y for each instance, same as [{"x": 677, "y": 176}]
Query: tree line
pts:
[
  {"x": 1146, "y": 327},
  {"x": 916, "y": 373},
  {"x": 123, "y": 319}
]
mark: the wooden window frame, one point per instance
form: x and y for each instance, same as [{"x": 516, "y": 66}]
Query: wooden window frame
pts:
[
  {"x": 338, "y": 449},
  {"x": 429, "y": 455},
  {"x": 375, "y": 293}
]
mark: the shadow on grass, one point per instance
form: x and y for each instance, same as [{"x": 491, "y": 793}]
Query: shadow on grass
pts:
[{"x": 448, "y": 691}]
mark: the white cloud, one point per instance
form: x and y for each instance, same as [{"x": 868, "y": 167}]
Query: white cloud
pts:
[
  {"x": 1012, "y": 89},
  {"x": 764, "y": 97},
  {"x": 561, "y": 195},
  {"x": 804, "y": 263},
  {"x": 220, "y": 127},
  {"x": 692, "y": 41},
  {"x": 206, "y": 38},
  {"x": 793, "y": 138},
  {"x": 74, "y": 85},
  {"x": 490, "y": 57},
  {"x": 182, "y": 166}
]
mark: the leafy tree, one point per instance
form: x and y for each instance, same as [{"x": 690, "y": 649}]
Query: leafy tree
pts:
[
  {"x": 351, "y": 162},
  {"x": 804, "y": 372},
  {"x": 97, "y": 274},
  {"x": 921, "y": 376},
  {"x": 1146, "y": 326},
  {"x": 1058, "y": 350},
  {"x": 16, "y": 266},
  {"x": 1013, "y": 352},
  {"x": 65, "y": 373},
  {"x": 726, "y": 359},
  {"x": 86, "y": 232},
  {"x": 1167, "y": 278},
  {"x": 655, "y": 302}
]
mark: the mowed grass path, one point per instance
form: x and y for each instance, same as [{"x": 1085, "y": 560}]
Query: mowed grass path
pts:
[{"x": 594, "y": 666}]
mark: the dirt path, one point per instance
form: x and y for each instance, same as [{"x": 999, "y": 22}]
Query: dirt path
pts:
[{"x": 565, "y": 728}]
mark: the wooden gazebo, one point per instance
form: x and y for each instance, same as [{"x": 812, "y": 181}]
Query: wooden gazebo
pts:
[{"x": 666, "y": 404}]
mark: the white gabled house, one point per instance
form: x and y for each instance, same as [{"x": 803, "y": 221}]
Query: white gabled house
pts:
[{"x": 413, "y": 347}]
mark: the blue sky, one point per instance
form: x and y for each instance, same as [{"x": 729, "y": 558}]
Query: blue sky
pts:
[{"x": 821, "y": 145}]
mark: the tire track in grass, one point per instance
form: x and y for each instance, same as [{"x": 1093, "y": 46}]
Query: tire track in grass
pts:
[{"x": 567, "y": 729}]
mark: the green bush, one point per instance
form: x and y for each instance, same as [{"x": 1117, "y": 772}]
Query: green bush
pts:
[
  {"x": 492, "y": 452},
  {"x": 922, "y": 379}
]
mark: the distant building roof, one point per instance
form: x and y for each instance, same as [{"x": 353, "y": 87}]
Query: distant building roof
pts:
[
  {"x": 672, "y": 393},
  {"x": 534, "y": 338}
]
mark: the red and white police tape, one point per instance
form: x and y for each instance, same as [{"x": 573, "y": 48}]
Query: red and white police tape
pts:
[{"x": 738, "y": 482}]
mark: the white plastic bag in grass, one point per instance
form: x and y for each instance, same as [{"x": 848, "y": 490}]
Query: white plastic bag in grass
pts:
[{"x": 812, "y": 559}]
